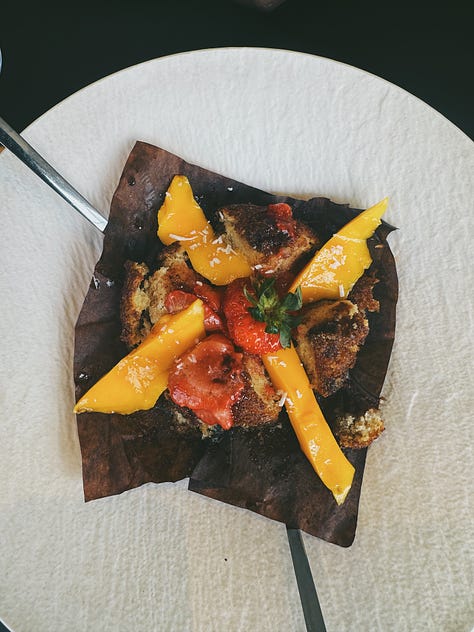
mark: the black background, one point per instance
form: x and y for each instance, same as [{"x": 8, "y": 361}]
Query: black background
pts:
[{"x": 52, "y": 50}]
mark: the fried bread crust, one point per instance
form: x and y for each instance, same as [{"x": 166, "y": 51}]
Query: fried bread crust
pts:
[
  {"x": 328, "y": 339},
  {"x": 252, "y": 231},
  {"x": 143, "y": 295}
]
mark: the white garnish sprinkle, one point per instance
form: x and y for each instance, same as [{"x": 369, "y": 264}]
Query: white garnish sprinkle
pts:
[
  {"x": 96, "y": 282},
  {"x": 192, "y": 358},
  {"x": 139, "y": 376},
  {"x": 198, "y": 282},
  {"x": 281, "y": 363},
  {"x": 109, "y": 283},
  {"x": 217, "y": 240},
  {"x": 181, "y": 238},
  {"x": 268, "y": 271},
  {"x": 282, "y": 399},
  {"x": 230, "y": 188},
  {"x": 272, "y": 359},
  {"x": 341, "y": 290},
  {"x": 313, "y": 447},
  {"x": 170, "y": 331},
  {"x": 193, "y": 246},
  {"x": 258, "y": 266},
  {"x": 228, "y": 250},
  {"x": 214, "y": 261},
  {"x": 221, "y": 216},
  {"x": 299, "y": 394}
]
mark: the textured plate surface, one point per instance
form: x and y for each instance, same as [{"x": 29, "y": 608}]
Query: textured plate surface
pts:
[{"x": 285, "y": 123}]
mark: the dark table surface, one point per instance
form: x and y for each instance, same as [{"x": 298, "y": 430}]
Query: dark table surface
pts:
[{"x": 50, "y": 51}]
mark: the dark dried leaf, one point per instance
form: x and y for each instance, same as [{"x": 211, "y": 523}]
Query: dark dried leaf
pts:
[{"x": 261, "y": 469}]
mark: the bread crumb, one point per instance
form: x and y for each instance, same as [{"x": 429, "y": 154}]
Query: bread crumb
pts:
[{"x": 359, "y": 432}]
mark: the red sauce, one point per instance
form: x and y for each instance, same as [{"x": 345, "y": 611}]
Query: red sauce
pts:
[{"x": 283, "y": 217}]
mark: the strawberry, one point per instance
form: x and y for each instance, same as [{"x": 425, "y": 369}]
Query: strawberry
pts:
[
  {"x": 257, "y": 320},
  {"x": 207, "y": 379},
  {"x": 212, "y": 296},
  {"x": 176, "y": 300}
]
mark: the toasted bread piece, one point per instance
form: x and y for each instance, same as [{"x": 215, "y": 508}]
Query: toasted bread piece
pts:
[
  {"x": 361, "y": 294},
  {"x": 328, "y": 339},
  {"x": 134, "y": 304},
  {"x": 252, "y": 231},
  {"x": 259, "y": 402},
  {"x": 144, "y": 294},
  {"x": 174, "y": 274},
  {"x": 359, "y": 432},
  {"x": 257, "y": 405}
]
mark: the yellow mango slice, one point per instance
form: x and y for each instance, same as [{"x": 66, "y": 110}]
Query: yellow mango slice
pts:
[
  {"x": 136, "y": 382},
  {"x": 180, "y": 218},
  {"x": 314, "y": 435},
  {"x": 333, "y": 271}
]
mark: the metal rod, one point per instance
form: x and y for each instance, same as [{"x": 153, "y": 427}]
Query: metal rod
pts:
[
  {"x": 309, "y": 598},
  {"x": 31, "y": 158}
]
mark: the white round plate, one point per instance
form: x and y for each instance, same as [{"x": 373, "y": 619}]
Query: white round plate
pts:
[{"x": 161, "y": 557}]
